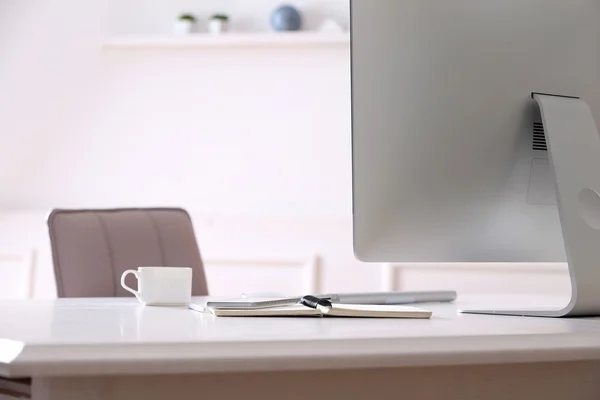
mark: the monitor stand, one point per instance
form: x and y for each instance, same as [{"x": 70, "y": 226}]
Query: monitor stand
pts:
[{"x": 574, "y": 152}]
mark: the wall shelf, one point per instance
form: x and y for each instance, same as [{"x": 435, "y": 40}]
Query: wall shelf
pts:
[{"x": 229, "y": 40}]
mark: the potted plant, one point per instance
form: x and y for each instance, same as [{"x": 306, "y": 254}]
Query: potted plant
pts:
[
  {"x": 218, "y": 23},
  {"x": 184, "y": 24}
]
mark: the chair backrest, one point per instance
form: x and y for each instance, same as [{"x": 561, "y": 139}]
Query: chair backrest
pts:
[{"x": 92, "y": 248}]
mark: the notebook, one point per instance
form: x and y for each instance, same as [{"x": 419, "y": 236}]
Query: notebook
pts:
[{"x": 335, "y": 310}]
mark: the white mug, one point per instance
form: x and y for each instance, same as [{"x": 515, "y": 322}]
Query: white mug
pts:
[{"x": 161, "y": 286}]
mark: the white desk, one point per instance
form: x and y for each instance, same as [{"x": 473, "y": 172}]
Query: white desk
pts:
[{"x": 117, "y": 349}]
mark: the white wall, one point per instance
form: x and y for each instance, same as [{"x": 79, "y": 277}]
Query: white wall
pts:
[
  {"x": 261, "y": 136},
  {"x": 232, "y": 132}
]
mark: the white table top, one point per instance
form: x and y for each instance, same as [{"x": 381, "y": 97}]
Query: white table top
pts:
[{"x": 119, "y": 336}]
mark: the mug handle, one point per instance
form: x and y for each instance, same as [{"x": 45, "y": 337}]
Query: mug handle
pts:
[{"x": 134, "y": 272}]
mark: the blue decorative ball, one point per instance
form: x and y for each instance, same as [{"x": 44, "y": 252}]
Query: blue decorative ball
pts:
[{"x": 286, "y": 18}]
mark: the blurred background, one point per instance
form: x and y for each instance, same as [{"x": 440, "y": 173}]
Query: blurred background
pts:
[{"x": 246, "y": 124}]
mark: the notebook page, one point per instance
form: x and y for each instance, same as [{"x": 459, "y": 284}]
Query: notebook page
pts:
[
  {"x": 377, "y": 311},
  {"x": 294, "y": 310}
]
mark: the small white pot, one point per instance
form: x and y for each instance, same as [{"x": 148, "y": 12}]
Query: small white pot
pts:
[
  {"x": 216, "y": 26},
  {"x": 183, "y": 27}
]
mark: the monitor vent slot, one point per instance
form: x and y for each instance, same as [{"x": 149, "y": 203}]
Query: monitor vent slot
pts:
[{"x": 539, "y": 136}]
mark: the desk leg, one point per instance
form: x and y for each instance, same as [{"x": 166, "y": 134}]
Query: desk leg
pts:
[{"x": 548, "y": 381}]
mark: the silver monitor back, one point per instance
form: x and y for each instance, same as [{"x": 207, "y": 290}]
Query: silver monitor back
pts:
[{"x": 449, "y": 156}]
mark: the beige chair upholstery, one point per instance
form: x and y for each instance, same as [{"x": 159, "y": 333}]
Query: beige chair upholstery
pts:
[{"x": 92, "y": 248}]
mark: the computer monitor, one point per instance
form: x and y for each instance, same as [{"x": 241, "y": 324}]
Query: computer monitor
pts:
[{"x": 473, "y": 135}]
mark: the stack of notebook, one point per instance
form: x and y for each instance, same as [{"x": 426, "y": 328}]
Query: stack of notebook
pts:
[{"x": 307, "y": 306}]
